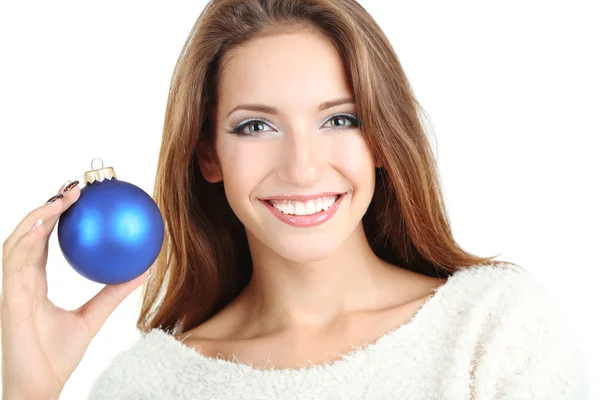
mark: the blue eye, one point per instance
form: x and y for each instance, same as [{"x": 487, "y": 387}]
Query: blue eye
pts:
[{"x": 255, "y": 124}]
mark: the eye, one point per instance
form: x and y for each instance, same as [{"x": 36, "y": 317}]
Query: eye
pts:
[
  {"x": 255, "y": 124},
  {"x": 338, "y": 120}
]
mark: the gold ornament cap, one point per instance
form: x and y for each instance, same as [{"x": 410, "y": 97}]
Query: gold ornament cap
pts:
[{"x": 99, "y": 174}]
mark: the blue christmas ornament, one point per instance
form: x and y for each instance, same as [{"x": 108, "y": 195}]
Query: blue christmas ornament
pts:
[{"x": 114, "y": 232}]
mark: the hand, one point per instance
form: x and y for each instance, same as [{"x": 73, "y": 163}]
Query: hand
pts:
[{"x": 42, "y": 344}]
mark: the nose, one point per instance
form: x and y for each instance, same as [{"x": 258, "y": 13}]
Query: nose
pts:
[{"x": 302, "y": 158}]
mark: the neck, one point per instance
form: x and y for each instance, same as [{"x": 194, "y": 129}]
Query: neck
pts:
[{"x": 285, "y": 294}]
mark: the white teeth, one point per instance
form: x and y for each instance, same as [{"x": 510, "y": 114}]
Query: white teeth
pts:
[
  {"x": 300, "y": 208},
  {"x": 304, "y": 207},
  {"x": 311, "y": 207}
]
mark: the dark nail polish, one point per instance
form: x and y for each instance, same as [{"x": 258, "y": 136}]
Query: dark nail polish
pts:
[
  {"x": 69, "y": 187},
  {"x": 54, "y": 198}
]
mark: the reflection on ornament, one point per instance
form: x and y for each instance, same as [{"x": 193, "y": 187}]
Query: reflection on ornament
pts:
[{"x": 114, "y": 232}]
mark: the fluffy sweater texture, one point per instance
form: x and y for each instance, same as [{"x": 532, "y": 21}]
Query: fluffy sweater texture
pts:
[{"x": 489, "y": 332}]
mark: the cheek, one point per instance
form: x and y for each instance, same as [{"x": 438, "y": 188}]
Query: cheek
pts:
[
  {"x": 244, "y": 164},
  {"x": 353, "y": 157}
]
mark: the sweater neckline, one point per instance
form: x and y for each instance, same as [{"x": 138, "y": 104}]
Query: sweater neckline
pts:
[{"x": 344, "y": 360}]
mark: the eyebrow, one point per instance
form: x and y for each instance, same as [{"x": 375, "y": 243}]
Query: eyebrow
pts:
[{"x": 272, "y": 110}]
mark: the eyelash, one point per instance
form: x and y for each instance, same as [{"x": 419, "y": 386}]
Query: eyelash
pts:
[{"x": 238, "y": 130}]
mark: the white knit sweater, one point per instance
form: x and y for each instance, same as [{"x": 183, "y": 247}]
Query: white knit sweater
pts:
[{"x": 487, "y": 333}]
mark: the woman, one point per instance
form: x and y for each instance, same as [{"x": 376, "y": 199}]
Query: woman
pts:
[{"x": 308, "y": 252}]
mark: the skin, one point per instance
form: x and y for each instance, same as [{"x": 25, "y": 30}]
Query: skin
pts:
[
  {"x": 315, "y": 292},
  {"x": 42, "y": 344}
]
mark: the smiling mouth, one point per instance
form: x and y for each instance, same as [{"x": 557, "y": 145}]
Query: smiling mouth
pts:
[
  {"x": 305, "y": 214},
  {"x": 303, "y": 208}
]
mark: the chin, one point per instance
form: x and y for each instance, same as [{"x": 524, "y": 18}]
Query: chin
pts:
[
  {"x": 305, "y": 256},
  {"x": 304, "y": 250}
]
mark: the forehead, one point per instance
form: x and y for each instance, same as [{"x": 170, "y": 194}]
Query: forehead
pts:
[{"x": 299, "y": 69}]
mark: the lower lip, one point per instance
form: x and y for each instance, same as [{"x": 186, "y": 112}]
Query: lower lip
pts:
[{"x": 304, "y": 221}]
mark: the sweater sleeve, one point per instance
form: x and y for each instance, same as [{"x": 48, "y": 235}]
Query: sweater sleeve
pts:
[{"x": 526, "y": 350}]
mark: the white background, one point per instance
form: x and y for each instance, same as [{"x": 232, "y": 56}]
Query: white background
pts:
[{"x": 511, "y": 90}]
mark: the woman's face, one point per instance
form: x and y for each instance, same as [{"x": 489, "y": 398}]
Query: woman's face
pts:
[{"x": 291, "y": 146}]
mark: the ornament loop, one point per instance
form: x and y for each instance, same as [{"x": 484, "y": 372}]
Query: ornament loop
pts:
[
  {"x": 100, "y": 174},
  {"x": 92, "y": 163}
]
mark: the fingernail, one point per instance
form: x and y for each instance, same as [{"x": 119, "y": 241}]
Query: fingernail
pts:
[
  {"x": 69, "y": 186},
  {"x": 36, "y": 225},
  {"x": 63, "y": 186},
  {"x": 54, "y": 198}
]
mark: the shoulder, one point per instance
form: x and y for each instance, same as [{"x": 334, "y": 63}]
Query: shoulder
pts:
[
  {"x": 501, "y": 287},
  {"x": 476, "y": 299},
  {"x": 122, "y": 367},
  {"x": 144, "y": 370},
  {"x": 504, "y": 294},
  {"x": 524, "y": 348},
  {"x": 486, "y": 274}
]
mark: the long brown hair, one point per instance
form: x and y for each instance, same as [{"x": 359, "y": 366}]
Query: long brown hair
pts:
[{"x": 205, "y": 261}]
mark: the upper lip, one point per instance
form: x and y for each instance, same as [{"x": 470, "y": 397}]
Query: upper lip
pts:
[{"x": 302, "y": 197}]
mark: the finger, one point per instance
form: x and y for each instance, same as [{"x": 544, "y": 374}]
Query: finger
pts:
[
  {"x": 17, "y": 258},
  {"x": 97, "y": 310},
  {"x": 48, "y": 212},
  {"x": 66, "y": 190},
  {"x": 43, "y": 212}
]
